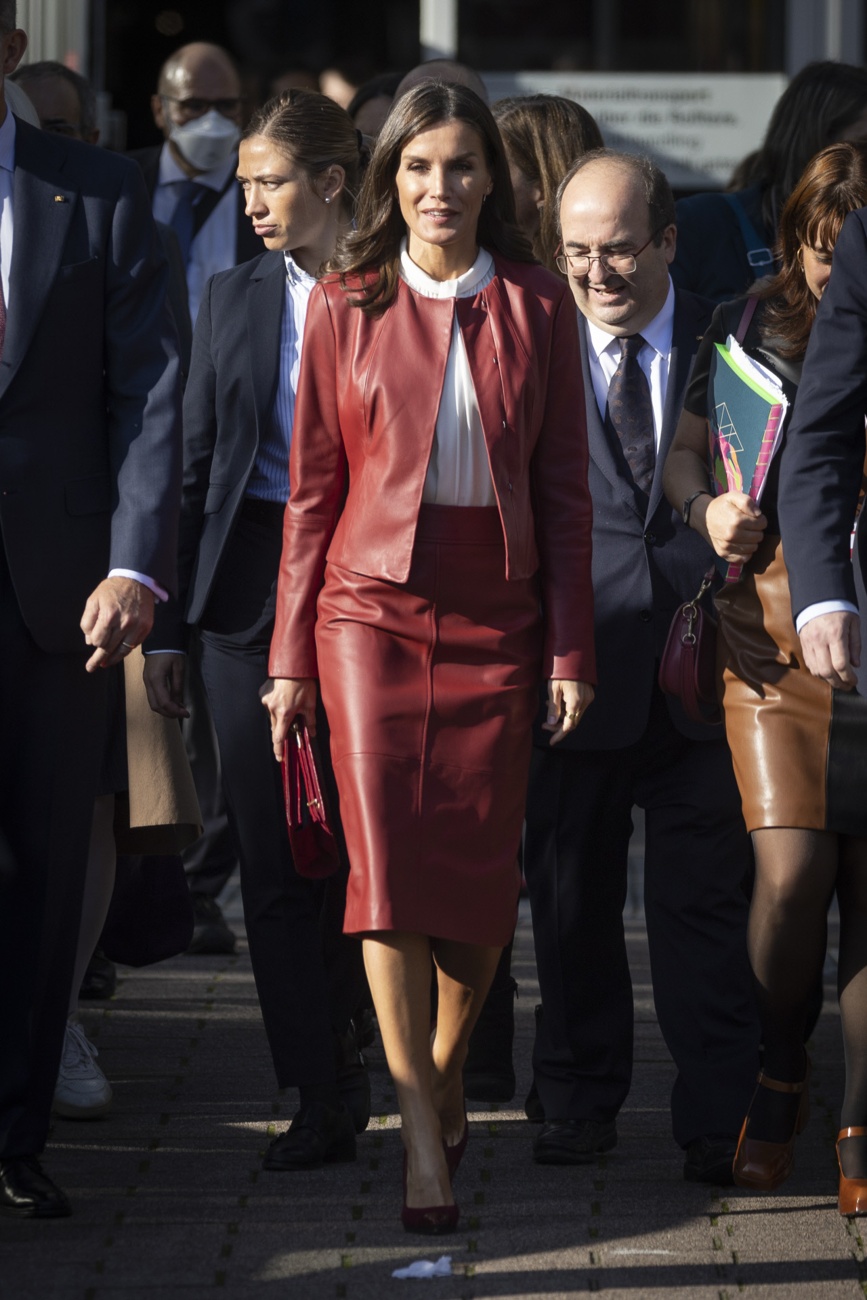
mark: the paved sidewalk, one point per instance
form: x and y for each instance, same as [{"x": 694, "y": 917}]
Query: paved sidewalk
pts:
[{"x": 170, "y": 1199}]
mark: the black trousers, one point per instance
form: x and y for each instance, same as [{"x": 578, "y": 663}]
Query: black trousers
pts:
[
  {"x": 291, "y": 922},
  {"x": 579, "y": 820},
  {"x": 52, "y": 730}
]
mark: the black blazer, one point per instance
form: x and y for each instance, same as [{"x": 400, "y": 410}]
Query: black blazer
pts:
[
  {"x": 90, "y": 449},
  {"x": 228, "y": 401},
  {"x": 247, "y": 243},
  {"x": 823, "y": 460},
  {"x": 644, "y": 564}
]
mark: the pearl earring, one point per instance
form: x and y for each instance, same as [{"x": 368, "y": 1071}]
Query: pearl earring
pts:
[{"x": 327, "y": 199}]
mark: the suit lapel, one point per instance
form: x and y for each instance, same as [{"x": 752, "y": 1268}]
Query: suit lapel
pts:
[
  {"x": 266, "y": 293},
  {"x": 685, "y": 337},
  {"x": 44, "y": 207},
  {"x": 601, "y": 451}
]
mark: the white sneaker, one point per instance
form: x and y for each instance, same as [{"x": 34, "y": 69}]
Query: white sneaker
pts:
[{"x": 82, "y": 1090}]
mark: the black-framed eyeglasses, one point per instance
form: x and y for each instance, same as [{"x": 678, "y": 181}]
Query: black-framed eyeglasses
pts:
[
  {"x": 616, "y": 263},
  {"x": 195, "y": 107}
]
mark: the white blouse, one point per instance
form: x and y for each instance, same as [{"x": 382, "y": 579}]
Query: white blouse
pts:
[{"x": 458, "y": 473}]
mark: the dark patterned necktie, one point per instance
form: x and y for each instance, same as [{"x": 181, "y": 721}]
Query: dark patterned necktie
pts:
[
  {"x": 183, "y": 218},
  {"x": 630, "y": 413}
]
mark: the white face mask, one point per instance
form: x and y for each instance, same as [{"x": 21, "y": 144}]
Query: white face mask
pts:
[{"x": 206, "y": 142}]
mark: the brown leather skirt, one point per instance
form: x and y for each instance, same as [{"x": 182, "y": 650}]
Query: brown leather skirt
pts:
[
  {"x": 799, "y": 747},
  {"x": 431, "y": 688}
]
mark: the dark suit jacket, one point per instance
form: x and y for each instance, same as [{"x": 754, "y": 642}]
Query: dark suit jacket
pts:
[
  {"x": 823, "y": 460},
  {"x": 247, "y": 243},
  {"x": 227, "y": 404},
  {"x": 89, "y": 387},
  {"x": 644, "y": 565}
]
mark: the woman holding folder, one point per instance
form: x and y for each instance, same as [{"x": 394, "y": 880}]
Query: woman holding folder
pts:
[{"x": 792, "y": 738}]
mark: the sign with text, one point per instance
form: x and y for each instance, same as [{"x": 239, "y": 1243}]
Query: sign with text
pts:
[{"x": 696, "y": 127}]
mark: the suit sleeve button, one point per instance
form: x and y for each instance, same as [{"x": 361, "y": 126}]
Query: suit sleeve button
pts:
[{"x": 646, "y": 615}]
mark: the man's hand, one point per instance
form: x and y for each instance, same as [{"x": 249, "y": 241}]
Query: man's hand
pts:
[
  {"x": 117, "y": 617},
  {"x": 285, "y": 698},
  {"x": 832, "y": 648},
  {"x": 164, "y": 683},
  {"x": 567, "y": 701}
]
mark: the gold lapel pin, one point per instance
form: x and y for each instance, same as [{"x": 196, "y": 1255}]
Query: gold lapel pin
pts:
[{"x": 60, "y": 198}]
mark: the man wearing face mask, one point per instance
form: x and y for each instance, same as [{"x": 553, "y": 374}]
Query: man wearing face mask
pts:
[
  {"x": 191, "y": 177},
  {"x": 191, "y": 180}
]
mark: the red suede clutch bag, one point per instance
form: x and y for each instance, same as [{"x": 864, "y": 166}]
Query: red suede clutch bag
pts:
[{"x": 314, "y": 848}]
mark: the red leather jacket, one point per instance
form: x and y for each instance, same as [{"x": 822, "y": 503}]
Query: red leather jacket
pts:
[{"x": 365, "y": 414}]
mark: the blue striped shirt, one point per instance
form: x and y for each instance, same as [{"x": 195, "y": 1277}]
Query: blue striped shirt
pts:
[{"x": 269, "y": 480}]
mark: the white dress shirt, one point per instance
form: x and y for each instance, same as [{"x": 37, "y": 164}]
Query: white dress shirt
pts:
[
  {"x": 7, "y": 171},
  {"x": 654, "y": 359},
  {"x": 269, "y": 480},
  {"x": 213, "y": 247},
  {"x": 459, "y": 472}
]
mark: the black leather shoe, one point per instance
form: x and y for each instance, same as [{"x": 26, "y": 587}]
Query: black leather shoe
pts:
[
  {"x": 29, "y": 1193},
  {"x": 573, "y": 1141},
  {"x": 211, "y": 935},
  {"x": 353, "y": 1080},
  {"x": 709, "y": 1160},
  {"x": 318, "y": 1135}
]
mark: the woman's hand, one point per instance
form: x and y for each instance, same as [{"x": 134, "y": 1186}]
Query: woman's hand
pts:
[
  {"x": 285, "y": 698},
  {"x": 566, "y": 704},
  {"x": 735, "y": 525}
]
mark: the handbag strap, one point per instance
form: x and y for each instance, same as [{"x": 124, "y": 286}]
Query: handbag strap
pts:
[
  {"x": 747, "y": 315},
  {"x": 759, "y": 255}
]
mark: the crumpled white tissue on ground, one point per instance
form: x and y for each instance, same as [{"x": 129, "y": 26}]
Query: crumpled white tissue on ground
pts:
[{"x": 424, "y": 1268}]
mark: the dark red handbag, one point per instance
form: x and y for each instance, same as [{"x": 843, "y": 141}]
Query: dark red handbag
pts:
[
  {"x": 687, "y": 668},
  {"x": 314, "y": 848}
]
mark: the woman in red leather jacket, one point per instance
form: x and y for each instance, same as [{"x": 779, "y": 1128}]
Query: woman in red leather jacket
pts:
[{"x": 439, "y": 492}]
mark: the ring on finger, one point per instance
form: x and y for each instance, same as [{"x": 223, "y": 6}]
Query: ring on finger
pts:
[{"x": 128, "y": 645}]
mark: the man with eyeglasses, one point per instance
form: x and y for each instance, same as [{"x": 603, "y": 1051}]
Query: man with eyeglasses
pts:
[
  {"x": 638, "y": 336},
  {"x": 191, "y": 179}
]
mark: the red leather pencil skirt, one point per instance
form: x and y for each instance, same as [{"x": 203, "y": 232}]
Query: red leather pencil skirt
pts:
[
  {"x": 799, "y": 748},
  {"x": 431, "y": 687}
]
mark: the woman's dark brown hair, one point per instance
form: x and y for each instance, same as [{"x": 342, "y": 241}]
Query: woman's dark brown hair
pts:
[
  {"x": 833, "y": 185},
  {"x": 544, "y": 135},
  {"x": 372, "y": 250},
  {"x": 315, "y": 133}
]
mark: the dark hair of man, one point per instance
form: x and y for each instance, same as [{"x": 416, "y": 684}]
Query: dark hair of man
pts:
[
  {"x": 372, "y": 251},
  {"x": 653, "y": 181},
  {"x": 312, "y": 132},
  {"x": 543, "y": 136},
  {"x": 833, "y": 185},
  {"x": 87, "y": 113},
  {"x": 818, "y": 104},
  {"x": 382, "y": 86},
  {"x": 8, "y": 17}
]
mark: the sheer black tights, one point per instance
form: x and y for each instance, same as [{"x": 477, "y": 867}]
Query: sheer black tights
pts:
[{"x": 796, "y": 873}]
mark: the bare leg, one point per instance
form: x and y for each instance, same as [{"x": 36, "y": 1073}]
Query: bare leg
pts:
[
  {"x": 398, "y": 968},
  {"x": 98, "y": 887},
  {"x": 852, "y": 989},
  {"x": 464, "y": 975}
]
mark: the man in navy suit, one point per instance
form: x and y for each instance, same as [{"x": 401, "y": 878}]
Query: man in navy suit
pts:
[
  {"x": 822, "y": 471},
  {"x": 638, "y": 337},
  {"x": 89, "y": 499}
]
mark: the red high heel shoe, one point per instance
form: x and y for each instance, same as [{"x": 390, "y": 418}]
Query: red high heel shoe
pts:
[
  {"x": 764, "y": 1165},
  {"x": 852, "y": 1196},
  {"x": 431, "y": 1220},
  {"x": 455, "y": 1154}
]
